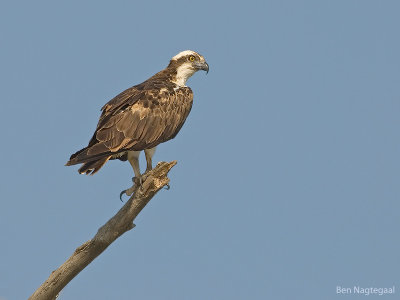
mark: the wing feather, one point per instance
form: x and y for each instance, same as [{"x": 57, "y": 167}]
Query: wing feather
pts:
[{"x": 137, "y": 120}]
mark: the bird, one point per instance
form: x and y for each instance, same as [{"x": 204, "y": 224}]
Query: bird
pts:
[{"x": 142, "y": 117}]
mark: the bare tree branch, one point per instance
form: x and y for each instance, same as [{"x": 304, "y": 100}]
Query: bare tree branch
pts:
[{"x": 153, "y": 181}]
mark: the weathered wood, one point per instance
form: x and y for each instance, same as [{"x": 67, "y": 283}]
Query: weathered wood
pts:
[{"x": 122, "y": 222}]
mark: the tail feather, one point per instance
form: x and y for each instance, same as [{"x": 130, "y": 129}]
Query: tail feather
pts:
[
  {"x": 91, "y": 163},
  {"x": 73, "y": 160},
  {"x": 84, "y": 155},
  {"x": 93, "y": 167}
]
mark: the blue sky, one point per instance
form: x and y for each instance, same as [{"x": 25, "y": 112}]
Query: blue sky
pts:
[{"x": 287, "y": 183}]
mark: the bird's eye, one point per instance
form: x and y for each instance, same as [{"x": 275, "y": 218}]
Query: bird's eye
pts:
[{"x": 192, "y": 58}]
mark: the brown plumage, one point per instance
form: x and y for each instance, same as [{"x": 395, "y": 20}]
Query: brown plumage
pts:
[{"x": 142, "y": 116}]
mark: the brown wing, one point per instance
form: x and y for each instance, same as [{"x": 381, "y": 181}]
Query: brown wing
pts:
[{"x": 137, "y": 120}]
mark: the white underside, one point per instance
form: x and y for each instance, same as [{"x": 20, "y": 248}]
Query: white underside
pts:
[{"x": 183, "y": 73}]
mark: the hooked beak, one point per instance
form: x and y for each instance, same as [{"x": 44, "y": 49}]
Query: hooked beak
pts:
[{"x": 202, "y": 66}]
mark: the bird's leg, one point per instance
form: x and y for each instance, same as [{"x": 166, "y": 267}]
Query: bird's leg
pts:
[
  {"x": 149, "y": 155},
  {"x": 133, "y": 158}
]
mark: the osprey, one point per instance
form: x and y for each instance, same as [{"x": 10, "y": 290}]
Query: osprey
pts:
[{"x": 142, "y": 117}]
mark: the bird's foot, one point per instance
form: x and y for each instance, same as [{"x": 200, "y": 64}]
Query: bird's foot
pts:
[{"x": 137, "y": 183}]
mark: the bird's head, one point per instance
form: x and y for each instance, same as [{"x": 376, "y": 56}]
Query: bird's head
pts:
[{"x": 185, "y": 64}]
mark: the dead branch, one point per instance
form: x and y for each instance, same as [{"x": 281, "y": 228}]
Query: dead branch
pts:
[{"x": 153, "y": 181}]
